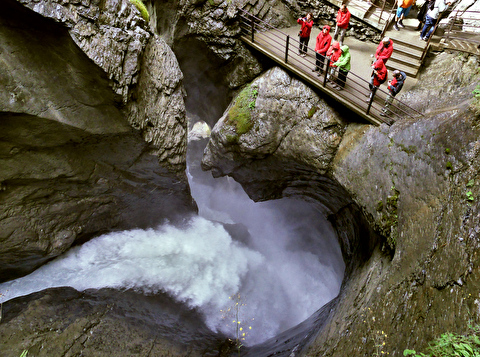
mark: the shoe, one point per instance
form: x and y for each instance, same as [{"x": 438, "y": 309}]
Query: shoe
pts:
[
  {"x": 383, "y": 114},
  {"x": 368, "y": 100},
  {"x": 314, "y": 69},
  {"x": 338, "y": 88},
  {"x": 422, "y": 38},
  {"x": 319, "y": 74},
  {"x": 425, "y": 39},
  {"x": 335, "y": 86},
  {"x": 400, "y": 24},
  {"x": 396, "y": 27}
]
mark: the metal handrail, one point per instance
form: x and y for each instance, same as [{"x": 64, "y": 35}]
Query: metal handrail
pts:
[
  {"x": 283, "y": 43},
  {"x": 452, "y": 20}
]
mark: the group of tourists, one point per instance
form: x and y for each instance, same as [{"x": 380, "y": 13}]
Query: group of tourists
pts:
[
  {"x": 338, "y": 55},
  {"x": 427, "y": 15}
]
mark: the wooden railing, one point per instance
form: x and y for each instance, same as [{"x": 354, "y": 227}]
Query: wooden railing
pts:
[
  {"x": 464, "y": 26},
  {"x": 284, "y": 48},
  {"x": 455, "y": 20}
]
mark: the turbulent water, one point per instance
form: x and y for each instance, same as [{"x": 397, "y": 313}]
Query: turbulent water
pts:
[
  {"x": 279, "y": 260},
  {"x": 284, "y": 263}
]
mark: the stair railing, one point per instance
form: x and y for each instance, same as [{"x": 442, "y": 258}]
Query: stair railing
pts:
[{"x": 280, "y": 45}]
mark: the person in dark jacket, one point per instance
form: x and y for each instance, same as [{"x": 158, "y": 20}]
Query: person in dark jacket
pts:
[
  {"x": 324, "y": 39},
  {"x": 379, "y": 76},
  {"x": 394, "y": 87},
  {"x": 428, "y": 4},
  {"x": 304, "y": 34}
]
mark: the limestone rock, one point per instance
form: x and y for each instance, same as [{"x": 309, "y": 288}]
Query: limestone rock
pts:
[
  {"x": 72, "y": 166},
  {"x": 63, "y": 321},
  {"x": 111, "y": 33},
  {"x": 416, "y": 183},
  {"x": 283, "y": 118},
  {"x": 158, "y": 109}
]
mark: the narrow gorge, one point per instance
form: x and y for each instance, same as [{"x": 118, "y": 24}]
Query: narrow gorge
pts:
[{"x": 138, "y": 219}]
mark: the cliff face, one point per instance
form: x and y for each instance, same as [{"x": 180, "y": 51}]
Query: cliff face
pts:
[
  {"x": 416, "y": 184},
  {"x": 72, "y": 165}
]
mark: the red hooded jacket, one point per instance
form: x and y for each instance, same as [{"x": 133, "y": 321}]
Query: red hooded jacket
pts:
[
  {"x": 384, "y": 51},
  {"x": 334, "y": 52},
  {"x": 306, "y": 27},
  {"x": 323, "y": 41},
  {"x": 343, "y": 18},
  {"x": 379, "y": 73}
]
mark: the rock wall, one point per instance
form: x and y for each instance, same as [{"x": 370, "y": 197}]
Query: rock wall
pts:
[
  {"x": 416, "y": 184},
  {"x": 106, "y": 322},
  {"x": 419, "y": 173},
  {"x": 72, "y": 165}
]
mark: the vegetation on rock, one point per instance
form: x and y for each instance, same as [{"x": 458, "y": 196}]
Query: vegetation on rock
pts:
[
  {"x": 142, "y": 8},
  {"x": 475, "y": 105},
  {"x": 452, "y": 344},
  {"x": 240, "y": 114}
]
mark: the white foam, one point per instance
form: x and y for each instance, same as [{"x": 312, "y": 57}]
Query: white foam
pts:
[{"x": 289, "y": 267}]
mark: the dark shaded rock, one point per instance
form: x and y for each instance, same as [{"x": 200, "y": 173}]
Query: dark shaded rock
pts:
[
  {"x": 72, "y": 166},
  {"x": 416, "y": 184},
  {"x": 65, "y": 322}
]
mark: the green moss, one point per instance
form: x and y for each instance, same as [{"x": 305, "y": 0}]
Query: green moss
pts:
[
  {"x": 449, "y": 165},
  {"x": 232, "y": 139},
  {"x": 389, "y": 219},
  {"x": 447, "y": 151},
  {"x": 240, "y": 114},
  {"x": 411, "y": 149},
  {"x": 142, "y": 8},
  {"x": 379, "y": 206},
  {"x": 475, "y": 104},
  {"x": 312, "y": 111}
]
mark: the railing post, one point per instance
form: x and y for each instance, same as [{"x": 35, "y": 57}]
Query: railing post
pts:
[
  {"x": 326, "y": 72},
  {"x": 286, "y": 48},
  {"x": 253, "y": 28},
  {"x": 372, "y": 96},
  {"x": 381, "y": 12}
]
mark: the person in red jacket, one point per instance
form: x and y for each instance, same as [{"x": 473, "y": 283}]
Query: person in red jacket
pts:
[
  {"x": 334, "y": 53},
  {"x": 384, "y": 50},
  {"x": 304, "y": 34},
  {"x": 379, "y": 76},
  {"x": 343, "y": 19},
  {"x": 324, "y": 39}
]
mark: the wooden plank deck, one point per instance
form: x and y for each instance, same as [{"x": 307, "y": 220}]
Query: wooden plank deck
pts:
[
  {"x": 302, "y": 68},
  {"x": 272, "y": 44}
]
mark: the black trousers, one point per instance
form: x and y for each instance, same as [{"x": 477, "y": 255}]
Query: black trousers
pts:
[
  {"x": 303, "y": 45},
  {"x": 342, "y": 77},
  {"x": 320, "y": 61}
]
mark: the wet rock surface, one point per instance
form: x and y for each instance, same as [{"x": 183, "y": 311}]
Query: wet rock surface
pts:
[
  {"x": 72, "y": 165},
  {"x": 415, "y": 183},
  {"x": 65, "y": 322}
]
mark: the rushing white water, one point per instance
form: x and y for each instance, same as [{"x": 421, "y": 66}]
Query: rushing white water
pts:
[{"x": 288, "y": 267}]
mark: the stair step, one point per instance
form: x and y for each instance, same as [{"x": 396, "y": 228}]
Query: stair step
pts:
[
  {"x": 410, "y": 72},
  {"x": 410, "y": 46},
  {"x": 406, "y": 63}
]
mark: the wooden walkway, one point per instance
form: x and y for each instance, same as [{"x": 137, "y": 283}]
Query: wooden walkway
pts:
[{"x": 282, "y": 47}]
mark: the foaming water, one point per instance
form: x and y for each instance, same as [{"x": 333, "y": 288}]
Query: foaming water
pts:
[
  {"x": 282, "y": 259},
  {"x": 285, "y": 265}
]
